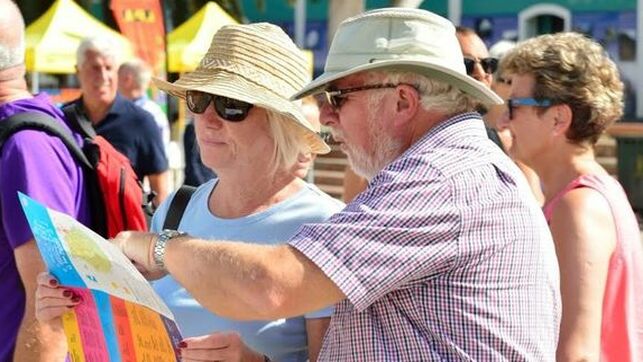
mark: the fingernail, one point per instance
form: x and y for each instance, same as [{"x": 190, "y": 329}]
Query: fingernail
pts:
[
  {"x": 182, "y": 344},
  {"x": 53, "y": 282},
  {"x": 67, "y": 293},
  {"x": 76, "y": 299}
]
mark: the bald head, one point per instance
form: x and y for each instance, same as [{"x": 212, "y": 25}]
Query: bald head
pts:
[{"x": 12, "y": 35}]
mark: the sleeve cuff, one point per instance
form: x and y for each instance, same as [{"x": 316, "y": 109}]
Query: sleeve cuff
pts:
[{"x": 334, "y": 269}]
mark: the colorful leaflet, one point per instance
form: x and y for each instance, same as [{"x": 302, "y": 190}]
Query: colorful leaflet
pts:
[{"x": 120, "y": 317}]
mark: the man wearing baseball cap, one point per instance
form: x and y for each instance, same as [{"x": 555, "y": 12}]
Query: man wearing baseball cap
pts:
[{"x": 445, "y": 256}]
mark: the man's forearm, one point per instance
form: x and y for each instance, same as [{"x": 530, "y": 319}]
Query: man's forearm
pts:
[
  {"x": 249, "y": 281},
  {"x": 36, "y": 341}
]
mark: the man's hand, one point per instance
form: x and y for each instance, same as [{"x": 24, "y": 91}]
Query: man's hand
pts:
[
  {"x": 139, "y": 248},
  {"x": 218, "y": 346}
]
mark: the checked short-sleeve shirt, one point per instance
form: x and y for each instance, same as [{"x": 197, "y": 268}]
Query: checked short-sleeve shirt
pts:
[{"x": 445, "y": 256}]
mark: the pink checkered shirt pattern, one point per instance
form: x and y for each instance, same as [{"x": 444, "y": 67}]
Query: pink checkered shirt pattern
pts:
[{"x": 445, "y": 256}]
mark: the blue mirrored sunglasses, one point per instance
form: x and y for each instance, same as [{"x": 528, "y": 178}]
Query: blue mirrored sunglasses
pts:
[{"x": 526, "y": 101}]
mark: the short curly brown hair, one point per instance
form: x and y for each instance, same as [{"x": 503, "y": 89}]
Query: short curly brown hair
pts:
[{"x": 572, "y": 69}]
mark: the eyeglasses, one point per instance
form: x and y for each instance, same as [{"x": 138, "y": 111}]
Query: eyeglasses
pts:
[
  {"x": 489, "y": 65},
  {"x": 337, "y": 97},
  {"x": 517, "y": 102},
  {"x": 229, "y": 109}
]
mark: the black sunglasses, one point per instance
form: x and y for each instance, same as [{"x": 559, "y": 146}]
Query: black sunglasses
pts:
[
  {"x": 230, "y": 109},
  {"x": 337, "y": 97},
  {"x": 489, "y": 65}
]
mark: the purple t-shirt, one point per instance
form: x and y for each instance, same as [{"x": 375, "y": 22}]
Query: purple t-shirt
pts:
[{"x": 40, "y": 166}]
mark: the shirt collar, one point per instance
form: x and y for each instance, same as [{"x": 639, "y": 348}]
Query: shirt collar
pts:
[
  {"x": 119, "y": 105},
  {"x": 446, "y": 130},
  {"x": 40, "y": 102}
]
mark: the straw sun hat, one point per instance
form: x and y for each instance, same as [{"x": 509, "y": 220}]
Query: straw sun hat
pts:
[
  {"x": 254, "y": 63},
  {"x": 398, "y": 39}
]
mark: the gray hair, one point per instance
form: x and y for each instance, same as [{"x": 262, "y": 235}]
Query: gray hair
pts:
[
  {"x": 139, "y": 69},
  {"x": 436, "y": 96},
  {"x": 103, "y": 46},
  {"x": 12, "y": 55}
]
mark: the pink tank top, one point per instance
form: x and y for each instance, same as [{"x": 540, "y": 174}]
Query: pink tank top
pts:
[{"x": 622, "y": 325}]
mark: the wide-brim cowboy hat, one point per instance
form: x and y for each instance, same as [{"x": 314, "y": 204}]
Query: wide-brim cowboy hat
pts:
[
  {"x": 399, "y": 39},
  {"x": 254, "y": 63}
]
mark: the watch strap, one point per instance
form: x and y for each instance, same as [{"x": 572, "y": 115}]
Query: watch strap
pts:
[{"x": 160, "y": 243}]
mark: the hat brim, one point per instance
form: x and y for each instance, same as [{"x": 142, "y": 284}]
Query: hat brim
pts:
[
  {"x": 231, "y": 85},
  {"x": 432, "y": 71}
]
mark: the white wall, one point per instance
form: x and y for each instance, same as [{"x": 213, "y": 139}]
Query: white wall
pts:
[{"x": 525, "y": 17}]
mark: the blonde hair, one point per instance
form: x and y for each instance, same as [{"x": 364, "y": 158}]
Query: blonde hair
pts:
[
  {"x": 288, "y": 139},
  {"x": 571, "y": 69},
  {"x": 311, "y": 111}
]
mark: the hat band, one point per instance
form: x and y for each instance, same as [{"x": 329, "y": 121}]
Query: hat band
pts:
[
  {"x": 291, "y": 71},
  {"x": 343, "y": 62},
  {"x": 256, "y": 75}
]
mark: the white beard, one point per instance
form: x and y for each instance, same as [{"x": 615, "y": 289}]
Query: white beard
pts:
[{"x": 385, "y": 149}]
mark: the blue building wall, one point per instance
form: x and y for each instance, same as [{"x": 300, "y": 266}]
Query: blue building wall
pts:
[
  {"x": 616, "y": 30},
  {"x": 611, "y": 22}
]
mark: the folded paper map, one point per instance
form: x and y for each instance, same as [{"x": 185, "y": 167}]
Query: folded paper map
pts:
[{"x": 120, "y": 317}]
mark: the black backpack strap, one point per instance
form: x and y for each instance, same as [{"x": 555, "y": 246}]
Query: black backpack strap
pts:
[
  {"x": 177, "y": 207},
  {"x": 78, "y": 119},
  {"x": 41, "y": 122}
]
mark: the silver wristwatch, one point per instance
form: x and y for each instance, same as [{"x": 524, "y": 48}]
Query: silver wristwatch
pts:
[{"x": 160, "y": 243}]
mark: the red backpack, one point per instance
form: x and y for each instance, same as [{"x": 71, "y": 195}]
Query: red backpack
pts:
[{"x": 116, "y": 197}]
